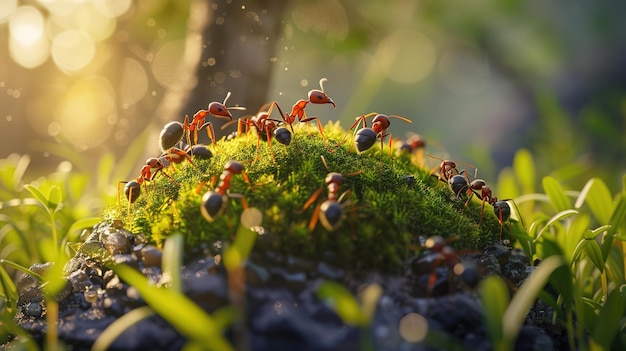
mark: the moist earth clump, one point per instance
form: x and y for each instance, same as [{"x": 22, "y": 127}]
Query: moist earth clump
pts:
[{"x": 283, "y": 309}]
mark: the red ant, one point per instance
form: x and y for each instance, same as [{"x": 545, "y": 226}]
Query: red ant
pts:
[
  {"x": 460, "y": 183},
  {"x": 414, "y": 143},
  {"x": 265, "y": 126},
  {"x": 216, "y": 109},
  {"x": 150, "y": 170},
  {"x": 438, "y": 257},
  {"x": 132, "y": 189},
  {"x": 213, "y": 201},
  {"x": 329, "y": 212},
  {"x": 502, "y": 210},
  {"x": 173, "y": 132},
  {"x": 365, "y": 137},
  {"x": 297, "y": 110},
  {"x": 447, "y": 169},
  {"x": 413, "y": 146}
]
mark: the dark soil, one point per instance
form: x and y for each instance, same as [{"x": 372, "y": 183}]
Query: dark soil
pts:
[{"x": 283, "y": 310}]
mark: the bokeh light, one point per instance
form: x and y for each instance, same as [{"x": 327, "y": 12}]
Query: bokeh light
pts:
[
  {"x": 72, "y": 50},
  {"x": 87, "y": 113},
  {"x": 28, "y": 45},
  {"x": 7, "y": 7},
  {"x": 166, "y": 66},
  {"x": 112, "y": 8},
  {"x": 26, "y": 25},
  {"x": 413, "y": 327},
  {"x": 134, "y": 84}
]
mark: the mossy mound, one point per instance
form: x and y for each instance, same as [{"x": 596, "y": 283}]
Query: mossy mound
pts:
[{"x": 391, "y": 201}]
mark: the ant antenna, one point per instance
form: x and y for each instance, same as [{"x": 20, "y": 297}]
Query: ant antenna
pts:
[{"x": 322, "y": 83}]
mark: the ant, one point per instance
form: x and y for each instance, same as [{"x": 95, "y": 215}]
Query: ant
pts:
[
  {"x": 265, "y": 126},
  {"x": 213, "y": 201},
  {"x": 297, "y": 110},
  {"x": 459, "y": 183},
  {"x": 176, "y": 155},
  {"x": 173, "y": 132},
  {"x": 447, "y": 169},
  {"x": 132, "y": 189},
  {"x": 329, "y": 212},
  {"x": 365, "y": 137},
  {"x": 413, "y": 143},
  {"x": 502, "y": 210},
  {"x": 437, "y": 261}
]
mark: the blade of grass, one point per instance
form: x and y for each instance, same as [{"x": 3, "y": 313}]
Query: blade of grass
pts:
[
  {"x": 558, "y": 198},
  {"x": 182, "y": 313},
  {"x": 557, "y": 217},
  {"x": 494, "y": 296},
  {"x": 524, "y": 298},
  {"x": 173, "y": 260},
  {"x": 610, "y": 315},
  {"x": 115, "y": 329}
]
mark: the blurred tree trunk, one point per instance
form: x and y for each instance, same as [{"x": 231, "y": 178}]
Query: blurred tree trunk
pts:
[{"x": 229, "y": 47}]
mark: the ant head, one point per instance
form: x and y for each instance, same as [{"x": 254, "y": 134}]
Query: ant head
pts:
[
  {"x": 334, "y": 178},
  {"x": 416, "y": 142},
  {"x": 218, "y": 109},
  {"x": 478, "y": 184},
  {"x": 154, "y": 162},
  {"x": 380, "y": 123},
  {"x": 234, "y": 167},
  {"x": 320, "y": 97}
]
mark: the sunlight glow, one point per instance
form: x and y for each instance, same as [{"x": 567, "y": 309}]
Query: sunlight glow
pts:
[
  {"x": 28, "y": 46},
  {"x": 134, "y": 84},
  {"x": 87, "y": 112},
  {"x": 97, "y": 24},
  {"x": 7, "y": 7},
  {"x": 72, "y": 50},
  {"x": 112, "y": 8},
  {"x": 26, "y": 25},
  {"x": 167, "y": 63}
]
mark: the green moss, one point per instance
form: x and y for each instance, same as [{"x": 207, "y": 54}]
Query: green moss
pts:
[{"x": 384, "y": 214}]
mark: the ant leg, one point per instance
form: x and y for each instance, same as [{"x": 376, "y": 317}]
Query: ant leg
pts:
[
  {"x": 355, "y": 124},
  {"x": 269, "y": 143},
  {"x": 482, "y": 207},
  {"x": 319, "y": 126},
  {"x": 390, "y": 148},
  {"x": 119, "y": 200},
  {"x": 203, "y": 183},
  {"x": 314, "y": 218},
  {"x": 312, "y": 199},
  {"x": 246, "y": 179},
  {"x": 210, "y": 132},
  {"x": 186, "y": 127}
]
